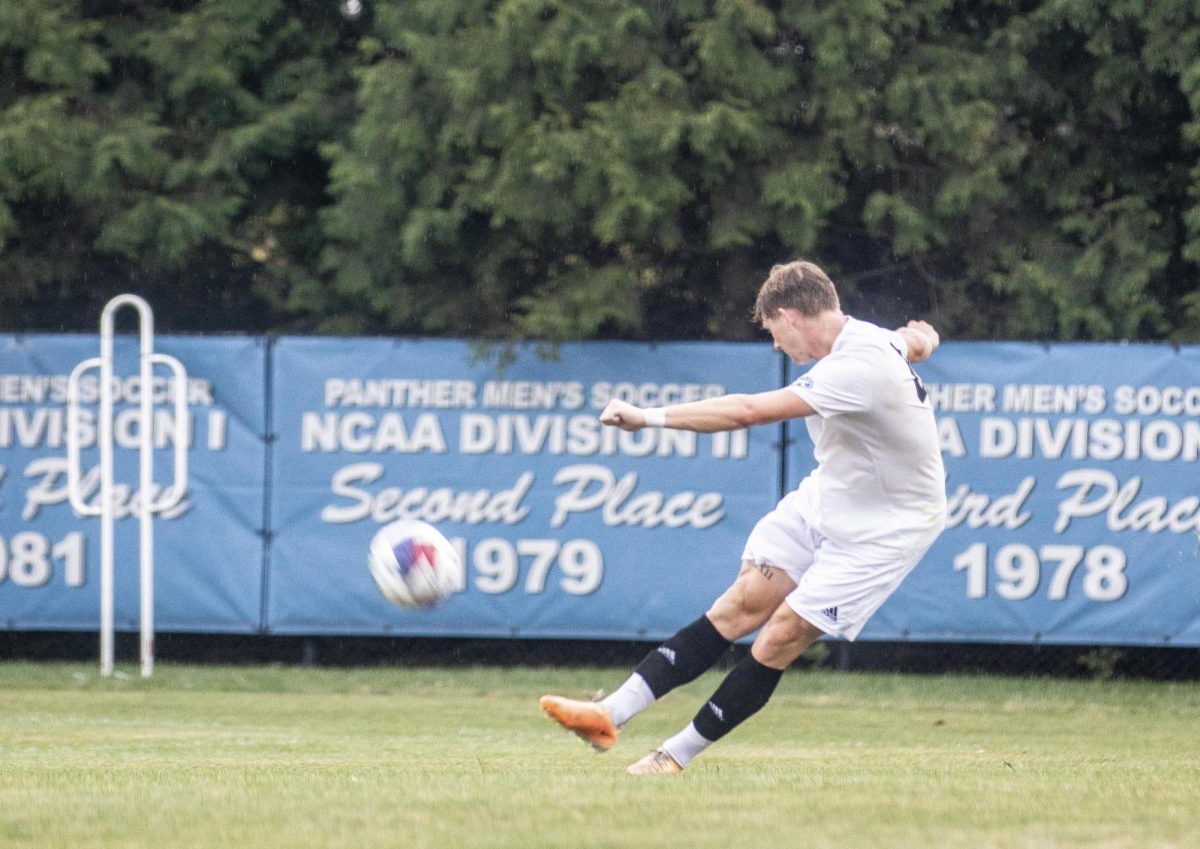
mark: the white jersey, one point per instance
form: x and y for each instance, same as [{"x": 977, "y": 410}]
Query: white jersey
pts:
[{"x": 879, "y": 477}]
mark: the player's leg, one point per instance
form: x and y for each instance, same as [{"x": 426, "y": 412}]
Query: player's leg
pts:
[
  {"x": 781, "y": 538},
  {"x": 740, "y": 610},
  {"x": 778, "y": 551},
  {"x": 743, "y": 692},
  {"x": 841, "y": 590}
]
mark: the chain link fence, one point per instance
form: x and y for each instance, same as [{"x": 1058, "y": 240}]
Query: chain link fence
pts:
[{"x": 1100, "y": 662}]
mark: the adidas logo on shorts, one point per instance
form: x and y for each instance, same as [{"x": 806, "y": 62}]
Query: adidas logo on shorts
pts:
[{"x": 830, "y": 613}]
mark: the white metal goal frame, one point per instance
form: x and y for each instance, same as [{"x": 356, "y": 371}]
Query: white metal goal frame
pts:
[{"x": 146, "y": 504}]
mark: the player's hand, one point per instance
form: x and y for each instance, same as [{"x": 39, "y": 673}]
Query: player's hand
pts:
[
  {"x": 921, "y": 338},
  {"x": 624, "y": 415},
  {"x": 926, "y": 328}
]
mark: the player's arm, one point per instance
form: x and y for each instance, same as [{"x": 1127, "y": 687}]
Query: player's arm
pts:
[
  {"x": 710, "y": 415},
  {"x": 921, "y": 338}
]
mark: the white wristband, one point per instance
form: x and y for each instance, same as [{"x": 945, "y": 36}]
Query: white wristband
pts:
[{"x": 655, "y": 416}]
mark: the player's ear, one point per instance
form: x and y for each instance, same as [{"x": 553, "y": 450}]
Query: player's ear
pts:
[{"x": 790, "y": 316}]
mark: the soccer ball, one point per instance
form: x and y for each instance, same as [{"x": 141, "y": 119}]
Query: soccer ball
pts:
[{"x": 413, "y": 564}]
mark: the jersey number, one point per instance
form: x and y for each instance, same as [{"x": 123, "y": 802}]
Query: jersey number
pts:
[{"x": 921, "y": 393}]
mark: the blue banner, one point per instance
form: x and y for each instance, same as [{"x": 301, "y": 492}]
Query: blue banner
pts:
[
  {"x": 567, "y": 528},
  {"x": 208, "y": 548},
  {"x": 1072, "y": 480},
  {"x": 1074, "y": 498}
]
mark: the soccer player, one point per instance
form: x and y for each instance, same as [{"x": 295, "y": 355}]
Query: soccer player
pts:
[{"x": 832, "y": 550}]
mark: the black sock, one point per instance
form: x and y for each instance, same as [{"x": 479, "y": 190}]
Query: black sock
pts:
[
  {"x": 683, "y": 657},
  {"x": 746, "y": 688}
]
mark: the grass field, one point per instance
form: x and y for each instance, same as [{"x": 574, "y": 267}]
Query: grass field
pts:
[{"x": 264, "y": 757}]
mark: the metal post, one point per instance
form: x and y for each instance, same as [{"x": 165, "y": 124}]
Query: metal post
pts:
[{"x": 147, "y": 504}]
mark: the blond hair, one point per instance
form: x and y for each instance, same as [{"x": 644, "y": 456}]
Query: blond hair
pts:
[{"x": 799, "y": 285}]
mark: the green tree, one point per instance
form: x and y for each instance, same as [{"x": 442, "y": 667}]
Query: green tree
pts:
[
  {"x": 531, "y": 167},
  {"x": 1020, "y": 163},
  {"x": 165, "y": 148},
  {"x": 565, "y": 170},
  {"x": 1103, "y": 191},
  {"x": 544, "y": 169}
]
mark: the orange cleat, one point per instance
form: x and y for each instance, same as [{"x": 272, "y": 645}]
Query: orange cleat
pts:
[
  {"x": 587, "y": 719},
  {"x": 657, "y": 762}
]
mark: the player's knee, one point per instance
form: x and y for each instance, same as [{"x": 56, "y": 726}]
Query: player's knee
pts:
[
  {"x": 784, "y": 638},
  {"x": 748, "y": 603},
  {"x": 732, "y": 615},
  {"x": 723, "y": 614}
]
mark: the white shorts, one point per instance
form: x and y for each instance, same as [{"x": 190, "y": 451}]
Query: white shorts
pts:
[{"x": 838, "y": 586}]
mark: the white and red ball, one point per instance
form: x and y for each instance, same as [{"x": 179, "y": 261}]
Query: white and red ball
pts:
[{"x": 413, "y": 564}]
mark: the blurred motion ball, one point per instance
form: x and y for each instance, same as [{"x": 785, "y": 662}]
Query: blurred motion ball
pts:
[{"x": 413, "y": 564}]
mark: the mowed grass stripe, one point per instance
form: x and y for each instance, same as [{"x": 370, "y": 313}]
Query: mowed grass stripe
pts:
[{"x": 290, "y": 757}]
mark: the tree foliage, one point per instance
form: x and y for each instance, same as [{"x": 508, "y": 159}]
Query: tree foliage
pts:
[
  {"x": 604, "y": 168},
  {"x": 167, "y": 148}
]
